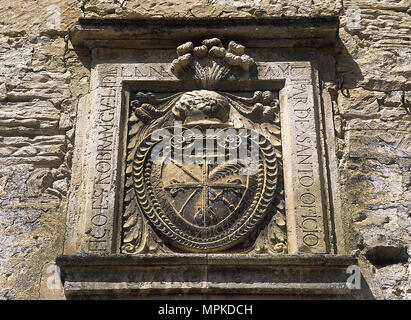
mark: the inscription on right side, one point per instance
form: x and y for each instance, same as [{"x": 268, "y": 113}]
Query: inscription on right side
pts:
[
  {"x": 310, "y": 235},
  {"x": 303, "y": 189}
]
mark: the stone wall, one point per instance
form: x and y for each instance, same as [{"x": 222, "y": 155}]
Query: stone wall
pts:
[{"x": 42, "y": 80}]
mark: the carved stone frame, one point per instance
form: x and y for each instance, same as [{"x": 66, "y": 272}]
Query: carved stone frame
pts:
[
  {"x": 307, "y": 205},
  {"x": 314, "y": 224}
]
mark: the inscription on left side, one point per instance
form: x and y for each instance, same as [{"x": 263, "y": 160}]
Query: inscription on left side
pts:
[{"x": 101, "y": 196}]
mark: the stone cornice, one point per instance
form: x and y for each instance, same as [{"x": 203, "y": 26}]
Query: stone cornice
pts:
[
  {"x": 127, "y": 276},
  {"x": 281, "y": 32}
]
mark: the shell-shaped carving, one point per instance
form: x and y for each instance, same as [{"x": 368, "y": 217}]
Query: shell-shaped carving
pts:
[{"x": 211, "y": 61}]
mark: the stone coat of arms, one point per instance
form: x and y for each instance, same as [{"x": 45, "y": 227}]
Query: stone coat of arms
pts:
[{"x": 203, "y": 165}]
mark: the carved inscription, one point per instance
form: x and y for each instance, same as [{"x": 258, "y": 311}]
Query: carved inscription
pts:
[
  {"x": 159, "y": 70},
  {"x": 304, "y": 148},
  {"x": 103, "y": 170},
  {"x": 181, "y": 197},
  {"x": 278, "y": 70},
  {"x": 284, "y": 70}
]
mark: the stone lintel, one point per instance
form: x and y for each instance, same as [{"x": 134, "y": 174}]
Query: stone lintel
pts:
[
  {"x": 139, "y": 276},
  {"x": 152, "y": 33}
]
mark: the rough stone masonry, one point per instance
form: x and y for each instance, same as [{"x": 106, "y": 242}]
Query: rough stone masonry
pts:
[{"x": 43, "y": 81}]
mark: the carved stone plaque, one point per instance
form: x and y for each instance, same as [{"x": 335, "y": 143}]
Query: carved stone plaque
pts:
[
  {"x": 204, "y": 161},
  {"x": 201, "y": 147},
  {"x": 202, "y": 171}
]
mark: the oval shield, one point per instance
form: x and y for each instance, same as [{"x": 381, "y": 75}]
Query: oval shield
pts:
[{"x": 205, "y": 190}]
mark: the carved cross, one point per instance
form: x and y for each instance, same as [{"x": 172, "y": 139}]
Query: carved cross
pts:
[{"x": 210, "y": 191}]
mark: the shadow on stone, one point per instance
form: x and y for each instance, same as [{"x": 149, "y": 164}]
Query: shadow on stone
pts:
[
  {"x": 348, "y": 72},
  {"x": 382, "y": 256}
]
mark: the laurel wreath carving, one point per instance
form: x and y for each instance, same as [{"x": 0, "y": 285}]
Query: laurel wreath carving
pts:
[
  {"x": 135, "y": 225},
  {"x": 226, "y": 169},
  {"x": 153, "y": 208}
]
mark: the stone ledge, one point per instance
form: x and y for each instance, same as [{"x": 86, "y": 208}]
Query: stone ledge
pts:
[
  {"x": 163, "y": 33},
  {"x": 139, "y": 276}
]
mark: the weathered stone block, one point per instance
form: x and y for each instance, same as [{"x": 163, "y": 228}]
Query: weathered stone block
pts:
[
  {"x": 45, "y": 16},
  {"x": 379, "y": 144}
]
